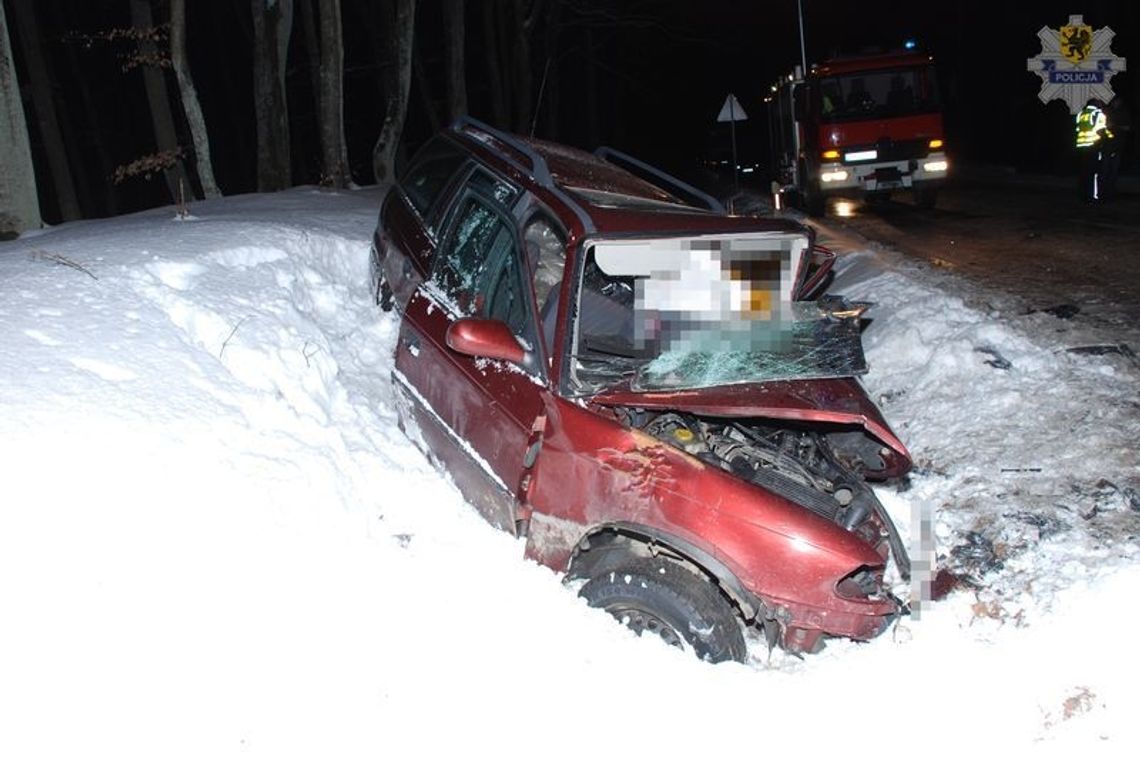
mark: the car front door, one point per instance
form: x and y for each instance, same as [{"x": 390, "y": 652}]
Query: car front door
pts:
[{"x": 475, "y": 414}]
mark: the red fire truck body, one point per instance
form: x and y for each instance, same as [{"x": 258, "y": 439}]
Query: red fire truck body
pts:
[{"x": 868, "y": 124}]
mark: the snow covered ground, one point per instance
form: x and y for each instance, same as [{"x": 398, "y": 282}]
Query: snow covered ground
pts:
[{"x": 216, "y": 545}]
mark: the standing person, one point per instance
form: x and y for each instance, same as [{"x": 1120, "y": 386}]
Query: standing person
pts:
[
  {"x": 1092, "y": 134},
  {"x": 1100, "y": 133}
]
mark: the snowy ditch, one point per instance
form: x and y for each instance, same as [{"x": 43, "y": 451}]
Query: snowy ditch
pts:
[{"x": 215, "y": 542}]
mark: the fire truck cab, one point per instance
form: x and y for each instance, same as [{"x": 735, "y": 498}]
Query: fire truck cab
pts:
[{"x": 866, "y": 124}]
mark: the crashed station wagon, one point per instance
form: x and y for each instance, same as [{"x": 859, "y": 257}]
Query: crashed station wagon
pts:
[{"x": 649, "y": 390}]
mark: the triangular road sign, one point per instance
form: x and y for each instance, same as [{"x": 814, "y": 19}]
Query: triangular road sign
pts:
[{"x": 732, "y": 111}]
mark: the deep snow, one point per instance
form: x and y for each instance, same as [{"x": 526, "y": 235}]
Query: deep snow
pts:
[{"x": 215, "y": 544}]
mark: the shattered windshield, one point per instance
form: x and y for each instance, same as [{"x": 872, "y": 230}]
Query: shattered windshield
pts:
[{"x": 684, "y": 313}]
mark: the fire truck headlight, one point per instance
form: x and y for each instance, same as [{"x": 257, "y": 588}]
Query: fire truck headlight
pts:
[
  {"x": 833, "y": 177},
  {"x": 939, "y": 166}
]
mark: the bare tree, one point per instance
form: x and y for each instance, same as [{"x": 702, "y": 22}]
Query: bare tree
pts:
[
  {"x": 190, "y": 105},
  {"x": 43, "y": 104},
  {"x": 162, "y": 118},
  {"x": 105, "y": 201},
  {"x": 19, "y": 204},
  {"x": 453, "y": 32},
  {"x": 334, "y": 151},
  {"x": 272, "y": 26},
  {"x": 400, "y": 26},
  {"x": 312, "y": 45}
]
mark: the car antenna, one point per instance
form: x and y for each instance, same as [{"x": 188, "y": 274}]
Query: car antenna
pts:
[{"x": 541, "y": 92}]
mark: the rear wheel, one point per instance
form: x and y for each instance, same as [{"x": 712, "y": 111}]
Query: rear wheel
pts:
[
  {"x": 925, "y": 197},
  {"x": 661, "y": 596}
]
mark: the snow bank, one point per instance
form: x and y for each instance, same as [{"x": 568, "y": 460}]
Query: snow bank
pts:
[{"x": 215, "y": 544}]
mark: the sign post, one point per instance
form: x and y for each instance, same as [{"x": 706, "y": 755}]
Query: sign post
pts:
[{"x": 732, "y": 112}]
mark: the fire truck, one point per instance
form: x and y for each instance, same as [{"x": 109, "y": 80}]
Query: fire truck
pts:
[{"x": 867, "y": 124}]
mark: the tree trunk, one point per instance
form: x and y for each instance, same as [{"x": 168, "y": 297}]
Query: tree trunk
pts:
[
  {"x": 312, "y": 47},
  {"x": 19, "y": 205},
  {"x": 161, "y": 117},
  {"x": 190, "y": 105},
  {"x": 396, "y": 106},
  {"x": 272, "y": 25},
  {"x": 453, "y": 33},
  {"x": 43, "y": 103},
  {"x": 106, "y": 202},
  {"x": 334, "y": 152},
  {"x": 491, "y": 50},
  {"x": 424, "y": 90}
]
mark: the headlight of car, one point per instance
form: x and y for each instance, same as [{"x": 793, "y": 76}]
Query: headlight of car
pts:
[{"x": 865, "y": 583}]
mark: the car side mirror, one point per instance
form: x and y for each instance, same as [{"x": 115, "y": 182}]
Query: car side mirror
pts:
[{"x": 485, "y": 338}]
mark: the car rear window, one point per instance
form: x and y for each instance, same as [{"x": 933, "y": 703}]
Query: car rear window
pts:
[{"x": 429, "y": 174}]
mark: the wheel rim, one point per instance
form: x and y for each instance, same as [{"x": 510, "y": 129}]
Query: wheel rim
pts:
[{"x": 643, "y": 621}]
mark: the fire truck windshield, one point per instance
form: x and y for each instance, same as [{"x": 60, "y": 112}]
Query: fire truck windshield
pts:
[{"x": 877, "y": 93}]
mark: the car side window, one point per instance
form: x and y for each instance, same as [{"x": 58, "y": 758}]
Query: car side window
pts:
[
  {"x": 479, "y": 267},
  {"x": 463, "y": 257},
  {"x": 427, "y": 178},
  {"x": 496, "y": 188}
]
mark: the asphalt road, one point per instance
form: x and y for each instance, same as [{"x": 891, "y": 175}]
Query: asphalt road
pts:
[{"x": 1029, "y": 237}]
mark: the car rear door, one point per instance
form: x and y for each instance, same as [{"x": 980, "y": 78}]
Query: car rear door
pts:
[
  {"x": 475, "y": 414},
  {"x": 410, "y": 217}
]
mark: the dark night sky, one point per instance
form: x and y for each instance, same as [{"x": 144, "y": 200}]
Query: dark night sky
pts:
[{"x": 661, "y": 80}]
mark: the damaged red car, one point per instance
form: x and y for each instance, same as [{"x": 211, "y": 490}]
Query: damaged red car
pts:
[{"x": 649, "y": 390}]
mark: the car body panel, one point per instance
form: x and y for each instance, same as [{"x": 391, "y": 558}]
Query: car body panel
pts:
[{"x": 621, "y": 476}]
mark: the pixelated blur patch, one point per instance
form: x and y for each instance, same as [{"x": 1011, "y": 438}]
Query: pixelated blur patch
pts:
[{"x": 688, "y": 288}]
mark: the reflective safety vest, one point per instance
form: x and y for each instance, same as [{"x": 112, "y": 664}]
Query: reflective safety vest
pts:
[{"x": 1090, "y": 122}]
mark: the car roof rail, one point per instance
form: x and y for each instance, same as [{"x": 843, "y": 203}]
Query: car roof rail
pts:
[
  {"x": 539, "y": 169},
  {"x": 607, "y": 153}
]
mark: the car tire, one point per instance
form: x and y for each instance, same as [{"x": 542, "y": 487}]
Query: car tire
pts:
[{"x": 661, "y": 596}]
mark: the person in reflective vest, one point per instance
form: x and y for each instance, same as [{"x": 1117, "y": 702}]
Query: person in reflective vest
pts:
[
  {"x": 1098, "y": 152},
  {"x": 1092, "y": 125}
]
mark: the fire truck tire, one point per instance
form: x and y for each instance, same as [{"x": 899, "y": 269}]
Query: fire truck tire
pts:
[
  {"x": 811, "y": 199},
  {"x": 925, "y": 197}
]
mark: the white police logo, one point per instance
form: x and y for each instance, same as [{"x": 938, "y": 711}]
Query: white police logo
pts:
[{"x": 1076, "y": 64}]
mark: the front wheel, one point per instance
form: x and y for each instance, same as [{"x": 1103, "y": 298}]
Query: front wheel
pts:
[
  {"x": 811, "y": 197},
  {"x": 661, "y": 596}
]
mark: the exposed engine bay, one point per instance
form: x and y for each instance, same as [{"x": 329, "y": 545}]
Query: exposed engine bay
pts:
[{"x": 821, "y": 470}]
